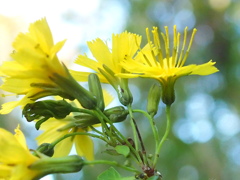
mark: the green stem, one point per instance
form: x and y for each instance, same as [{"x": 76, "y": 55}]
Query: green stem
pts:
[
  {"x": 120, "y": 136},
  {"x": 168, "y": 108},
  {"x": 105, "y": 128},
  {"x": 97, "y": 131},
  {"x": 113, "y": 163},
  {"x": 74, "y": 134},
  {"x": 134, "y": 130},
  {"x": 153, "y": 126},
  {"x": 137, "y": 134}
]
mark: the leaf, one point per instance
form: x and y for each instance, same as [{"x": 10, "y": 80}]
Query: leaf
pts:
[
  {"x": 109, "y": 174},
  {"x": 122, "y": 149},
  {"x": 112, "y": 152},
  {"x": 128, "y": 178},
  {"x": 154, "y": 178}
]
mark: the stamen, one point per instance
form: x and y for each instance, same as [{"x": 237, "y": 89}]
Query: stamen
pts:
[
  {"x": 189, "y": 47},
  {"x": 150, "y": 45},
  {"x": 140, "y": 49},
  {"x": 183, "y": 47},
  {"x": 157, "y": 43},
  {"x": 167, "y": 46},
  {"x": 174, "y": 53},
  {"x": 178, "y": 45}
]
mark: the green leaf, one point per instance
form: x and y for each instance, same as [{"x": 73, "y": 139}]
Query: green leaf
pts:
[
  {"x": 112, "y": 152},
  {"x": 109, "y": 174},
  {"x": 122, "y": 149},
  {"x": 154, "y": 178},
  {"x": 128, "y": 178}
]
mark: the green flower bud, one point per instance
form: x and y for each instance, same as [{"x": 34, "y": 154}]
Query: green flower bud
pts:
[
  {"x": 46, "y": 109},
  {"x": 154, "y": 96},
  {"x": 168, "y": 94},
  {"x": 46, "y": 149},
  {"x": 67, "y": 164},
  {"x": 116, "y": 114},
  {"x": 96, "y": 89}
]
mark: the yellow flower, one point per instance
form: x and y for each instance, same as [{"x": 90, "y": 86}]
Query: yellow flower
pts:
[
  {"x": 157, "y": 61},
  {"x": 124, "y": 47},
  {"x": 34, "y": 63},
  {"x": 108, "y": 60},
  {"x": 17, "y": 163},
  {"x": 15, "y": 157},
  {"x": 57, "y": 128}
]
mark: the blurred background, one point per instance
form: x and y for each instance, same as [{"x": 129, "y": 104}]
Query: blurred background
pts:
[{"x": 204, "y": 143}]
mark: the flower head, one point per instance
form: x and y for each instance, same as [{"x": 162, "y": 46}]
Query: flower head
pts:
[
  {"x": 17, "y": 163},
  {"x": 57, "y": 128},
  {"x": 108, "y": 60},
  {"x": 124, "y": 47},
  {"x": 34, "y": 66},
  {"x": 15, "y": 157},
  {"x": 157, "y": 61}
]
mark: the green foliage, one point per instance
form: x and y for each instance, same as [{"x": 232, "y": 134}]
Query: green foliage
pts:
[
  {"x": 112, "y": 174},
  {"x": 124, "y": 150}
]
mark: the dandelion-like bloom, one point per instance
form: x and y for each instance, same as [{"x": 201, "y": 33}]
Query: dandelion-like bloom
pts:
[
  {"x": 108, "y": 60},
  {"x": 57, "y": 128},
  {"x": 15, "y": 157},
  {"x": 124, "y": 47},
  {"x": 34, "y": 63},
  {"x": 157, "y": 61}
]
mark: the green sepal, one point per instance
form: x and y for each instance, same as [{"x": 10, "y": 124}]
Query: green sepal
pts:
[
  {"x": 46, "y": 148},
  {"x": 154, "y": 96},
  {"x": 168, "y": 93},
  {"x": 124, "y": 93},
  {"x": 116, "y": 114},
  {"x": 73, "y": 88},
  {"x": 109, "y": 75},
  {"x": 68, "y": 164},
  {"x": 49, "y": 90},
  {"x": 96, "y": 89}
]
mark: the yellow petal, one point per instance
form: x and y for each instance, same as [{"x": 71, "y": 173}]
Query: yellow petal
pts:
[
  {"x": 108, "y": 98},
  {"x": 84, "y": 146},
  {"x": 40, "y": 31},
  {"x": 20, "y": 137},
  {"x": 100, "y": 51},
  {"x": 52, "y": 133},
  {"x": 80, "y": 76},
  {"x": 5, "y": 171},
  {"x": 11, "y": 151},
  {"x": 87, "y": 62},
  {"x": 205, "y": 69},
  {"x": 9, "y": 106},
  {"x": 63, "y": 148}
]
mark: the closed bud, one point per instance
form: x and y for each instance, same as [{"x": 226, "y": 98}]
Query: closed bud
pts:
[
  {"x": 96, "y": 89},
  {"x": 168, "y": 93},
  {"x": 46, "y": 149},
  {"x": 43, "y": 110},
  {"x": 116, "y": 114},
  {"x": 154, "y": 96},
  {"x": 124, "y": 93}
]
